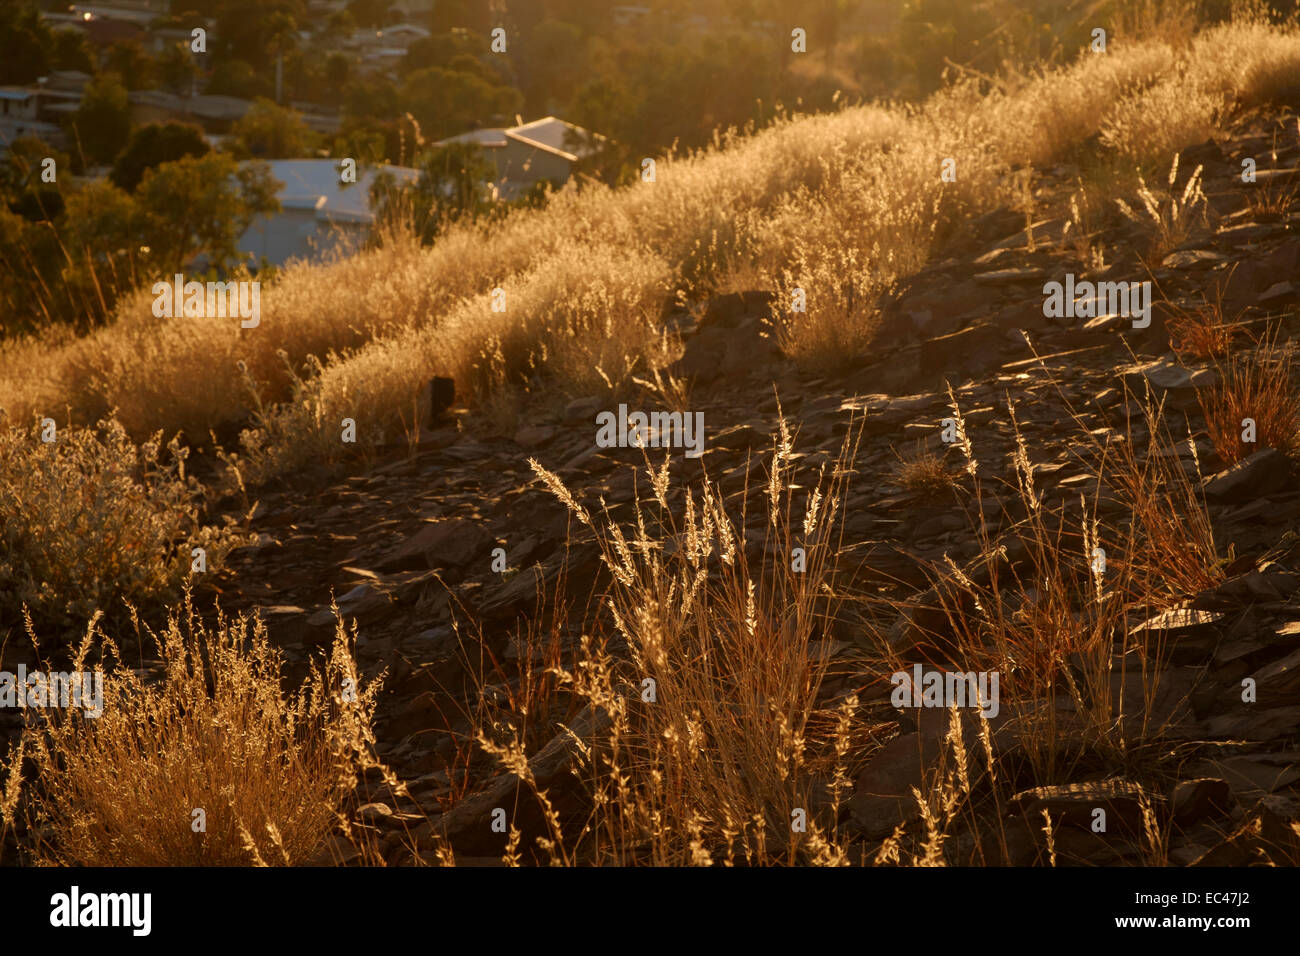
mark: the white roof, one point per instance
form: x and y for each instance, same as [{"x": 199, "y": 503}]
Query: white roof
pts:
[
  {"x": 548, "y": 133},
  {"x": 552, "y": 134},
  {"x": 483, "y": 137},
  {"x": 314, "y": 184}
]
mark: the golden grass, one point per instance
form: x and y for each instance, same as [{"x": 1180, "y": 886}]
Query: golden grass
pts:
[
  {"x": 1171, "y": 219},
  {"x": 1258, "y": 385},
  {"x": 854, "y": 195},
  {"x": 716, "y": 767},
  {"x": 924, "y": 472},
  {"x": 91, "y": 518},
  {"x": 270, "y": 770}
]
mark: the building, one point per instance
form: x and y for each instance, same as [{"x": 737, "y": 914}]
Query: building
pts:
[
  {"x": 545, "y": 149},
  {"x": 318, "y": 213},
  {"x": 21, "y": 115}
]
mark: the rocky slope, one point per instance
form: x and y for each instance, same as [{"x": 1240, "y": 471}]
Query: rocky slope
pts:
[{"x": 407, "y": 547}]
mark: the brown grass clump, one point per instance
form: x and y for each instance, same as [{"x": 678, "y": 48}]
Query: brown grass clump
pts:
[
  {"x": 91, "y": 518},
  {"x": 1171, "y": 219},
  {"x": 923, "y": 472},
  {"x": 1254, "y": 387},
  {"x": 1201, "y": 333},
  {"x": 1050, "y": 601},
  {"x": 705, "y": 757},
  {"x": 215, "y": 732}
]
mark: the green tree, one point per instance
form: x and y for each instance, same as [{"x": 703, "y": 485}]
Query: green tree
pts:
[
  {"x": 20, "y": 179},
  {"x": 71, "y": 51},
  {"x": 933, "y": 33},
  {"x": 137, "y": 68},
  {"x": 338, "y": 72},
  {"x": 270, "y": 131},
  {"x": 153, "y": 145},
  {"x": 445, "y": 102},
  {"x": 202, "y": 205},
  {"x": 237, "y": 78},
  {"x": 177, "y": 69},
  {"x": 25, "y": 42},
  {"x": 452, "y": 185},
  {"x": 102, "y": 122}
]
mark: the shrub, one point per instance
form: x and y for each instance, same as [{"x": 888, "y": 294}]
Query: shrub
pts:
[
  {"x": 1258, "y": 385},
  {"x": 91, "y": 518},
  {"x": 270, "y": 770}
]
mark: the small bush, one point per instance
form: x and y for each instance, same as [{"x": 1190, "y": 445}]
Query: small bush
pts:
[
  {"x": 270, "y": 770},
  {"x": 1256, "y": 385},
  {"x": 91, "y": 518}
]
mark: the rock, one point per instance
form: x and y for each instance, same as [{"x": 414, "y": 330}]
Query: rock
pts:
[
  {"x": 374, "y": 813},
  {"x": 445, "y": 543},
  {"x": 531, "y": 436},
  {"x": 436, "y": 642},
  {"x": 1252, "y": 775},
  {"x": 1251, "y": 723},
  {"x": 883, "y": 796},
  {"x": 975, "y": 347},
  {"x": 1168, "y": 374},
  {"x": 1279, "y": 682},
  {"x": 468, "y": 825},
  {"x": 1075, "y": 804},
  {"x": 1279, "y": 291},
  {"x": 285, "y": 623},
  {"x": 1271, "y": 582},
  {"x": 1267, "y": 835},
  {"x": 1178, "y": 622},
  {"x": 582, "y": 409},
  {"x": 1193, "y": 258},
  {"x": 363, "y": 603},
  {"x": 1006, "y": 276},
  {"x": 1258, "y": 474},
  {"x": 997, "y": 224},
  {"x": 1195, "y": 800}
]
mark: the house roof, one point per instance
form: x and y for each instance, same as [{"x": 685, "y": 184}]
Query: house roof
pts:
[
  {"x": 314, "y": 184},
  {"x": 548, "y": 133},
  {"x": 487, "y": 138},
  {"x": 553, "y": 134}
]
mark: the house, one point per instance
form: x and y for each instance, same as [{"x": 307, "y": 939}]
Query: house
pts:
[
  {"x": 20, "y": 115},
  {"x": 545, "y": 149},
  {"x": 318, "y": 213}
]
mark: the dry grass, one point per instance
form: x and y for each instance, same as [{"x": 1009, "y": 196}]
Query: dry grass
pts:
[
  {"x": 841, "y": 202},
  {"x": 1258, "y": 385},
  {"x": 1170, "y": 219},
  {"x": 216, "y": 732},
  {"x": 713, "y": 769},
  {"x": 1202, "y": 333},
  {"x": 92, "y": 518},
  {"x": 1050, "y": 601},
  {"x": 924, "y": 472}
]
